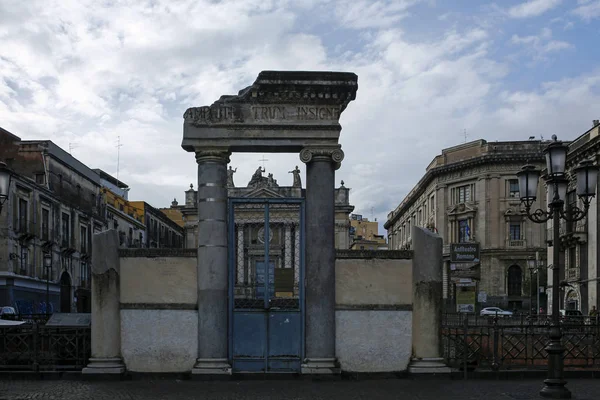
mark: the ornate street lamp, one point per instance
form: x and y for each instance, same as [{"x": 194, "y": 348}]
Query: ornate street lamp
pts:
[
  {"x": 531, "y": 264},
  {"x": 587, "y": 175},
  {"x": 48, "y": 267},
  {"x": 5, "y": 175}
]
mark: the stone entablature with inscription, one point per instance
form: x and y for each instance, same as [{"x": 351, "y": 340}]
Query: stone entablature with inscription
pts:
[{"x": 282, "y": 111}]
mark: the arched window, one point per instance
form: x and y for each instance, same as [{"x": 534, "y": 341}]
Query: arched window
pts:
[{"x": 515, "y": 280}]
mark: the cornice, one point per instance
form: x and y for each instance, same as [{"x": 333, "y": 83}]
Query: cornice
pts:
[{"x": 437, "y": 172}]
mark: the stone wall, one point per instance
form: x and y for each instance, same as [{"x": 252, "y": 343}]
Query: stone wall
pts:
[
  {"x": 159, "y": 317},
  {"x": 373, "y": 310}
]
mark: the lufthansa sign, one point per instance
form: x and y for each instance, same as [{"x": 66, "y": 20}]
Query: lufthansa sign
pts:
[{"x": 464, "y": 252}]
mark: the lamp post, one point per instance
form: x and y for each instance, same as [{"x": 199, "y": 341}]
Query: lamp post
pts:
[
  {"x": 5, "y": 175},
  {"x": 586, "y": 175},
  {"x": 48, "y": 267},
  {"x": 532, "y": 267}
]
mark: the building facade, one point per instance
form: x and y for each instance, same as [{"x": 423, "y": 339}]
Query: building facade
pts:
[
  {"x": 121, "y": 215},
  {"x": 470, "y": 195},
  {"x": 53, "y": 208},
  {"x": 161, "y": 231},
  {"x": 579, "y": 257},
  {"x": 265, "y": 188},
  {"x": 364, "y": 234}
]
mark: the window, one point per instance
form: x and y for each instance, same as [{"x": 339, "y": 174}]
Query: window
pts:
[
  {"x": 515, "y": 279},
  {"x": 513, "y": 188},
  {"x": 84, "y": 274},
  {"x": 83, "y": 236},
  {"x": 24, "y": 260},
  {"x": 115, "y": 224},
  {"x": 45, "y": 224},
  {"x": 65, "y": 230},
  {"x": 464, "y": 193},
  {"x": 22, "y": 224},
  {"x": 515, "y": 231},
  {"x": 431, "y": 204},
  {"x": 66, "y": 262},
  {"x": 464, "y": 232},
  {"x": 40, "y": 179}
]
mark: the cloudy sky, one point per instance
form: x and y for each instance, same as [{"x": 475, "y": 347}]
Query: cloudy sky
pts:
[{"x": 89, "y": 73}]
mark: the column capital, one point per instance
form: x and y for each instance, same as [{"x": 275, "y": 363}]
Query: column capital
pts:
[
  {"x": 215, "y": 155},
  {"x": 322, "y": 153}
]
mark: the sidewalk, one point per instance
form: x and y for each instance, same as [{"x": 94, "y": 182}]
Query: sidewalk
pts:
[{"x": 405, "y": 389}]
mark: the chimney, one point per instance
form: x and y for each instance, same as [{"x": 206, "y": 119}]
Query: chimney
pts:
[{"x": 596, "y": 122}]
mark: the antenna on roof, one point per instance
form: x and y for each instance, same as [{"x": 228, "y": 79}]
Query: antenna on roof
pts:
[
  {"x": 118, "y": 154},
  {"x": 465, "y": 134},
  {"x": 71, "y": 147}
]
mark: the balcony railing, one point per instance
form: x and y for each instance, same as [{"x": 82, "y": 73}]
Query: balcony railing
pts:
[
  {"x": 516, "y": 243},
  {"x": 24, "y": 225}
]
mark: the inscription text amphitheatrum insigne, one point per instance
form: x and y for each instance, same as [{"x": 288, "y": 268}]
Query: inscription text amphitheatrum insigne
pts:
[{"x": 266, "y": 113}]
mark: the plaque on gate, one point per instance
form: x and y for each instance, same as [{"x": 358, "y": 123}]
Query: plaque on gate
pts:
[{"x": 73, "y": 320}]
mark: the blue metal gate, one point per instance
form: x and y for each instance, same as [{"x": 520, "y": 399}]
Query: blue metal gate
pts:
[{"x": 266, "y": 261}]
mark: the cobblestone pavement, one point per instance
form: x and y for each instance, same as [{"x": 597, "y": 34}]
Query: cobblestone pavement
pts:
[{"x": 290, "y": 389}]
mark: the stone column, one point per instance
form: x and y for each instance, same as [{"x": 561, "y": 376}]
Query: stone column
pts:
[
  {"x": 106, "y": 313},
  {"x": 212, "y": 263},
  {"x": 321, "y": 164},
  {"x": 427, "y": 303}
]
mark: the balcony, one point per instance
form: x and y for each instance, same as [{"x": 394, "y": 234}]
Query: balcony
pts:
[
  {"x": 25, "y": 228},
  {"x": 522, "y": 243}
]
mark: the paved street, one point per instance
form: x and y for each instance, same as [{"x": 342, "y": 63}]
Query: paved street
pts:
[{"x": 289, "y": 390}]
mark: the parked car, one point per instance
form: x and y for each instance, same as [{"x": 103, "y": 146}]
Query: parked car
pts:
[
  {"x": 571, "y": 317},
  {"x": 7, "y": 312},
  {"x": 493, "y": 311}
]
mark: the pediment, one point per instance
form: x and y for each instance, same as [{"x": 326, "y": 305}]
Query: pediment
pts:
[
  {"x": 263, "y": 192},
  {"x": 462, "y": 208}
]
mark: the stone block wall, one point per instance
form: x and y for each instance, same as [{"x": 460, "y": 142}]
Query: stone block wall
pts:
[
  {"x": 373, "y": 310},
  {"x": 159, "y": 317}
]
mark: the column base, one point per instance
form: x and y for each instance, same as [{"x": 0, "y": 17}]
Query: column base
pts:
[
  {"x": 428, "y": 366},
  {"x": 321, "y": 366},
  {"x": 212, "y": 366},
  {"x": 113, "y": 365},
  {"x": 555, "y": 389}
]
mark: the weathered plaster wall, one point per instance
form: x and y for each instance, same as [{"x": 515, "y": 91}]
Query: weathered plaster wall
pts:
[
  {"x": 373, "y": 311},
  {"x": 159, "y": 340},
  {"x": 373, "y": 340},
  {"x": 373, "y": 281},
  {"x": 158, "y": 280},
  {"x": 159, "y": 317}
]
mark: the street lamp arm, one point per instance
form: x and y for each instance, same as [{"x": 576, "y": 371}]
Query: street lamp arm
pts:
[
  {"x": 538, "y": 216},
  {"x": 575, "y": 213}
]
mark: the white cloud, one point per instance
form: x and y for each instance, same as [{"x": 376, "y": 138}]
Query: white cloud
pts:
[
  {"x": 588, "y": 10},
  {"x": 532, "y": 8},
  {"x": 539, "y": 46},
  {"x": 359, "y": 14},
  {"x": 85, "y": 72}
]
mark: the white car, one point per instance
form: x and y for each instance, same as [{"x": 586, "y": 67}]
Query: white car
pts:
[{"x": 493, "y": 311}]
